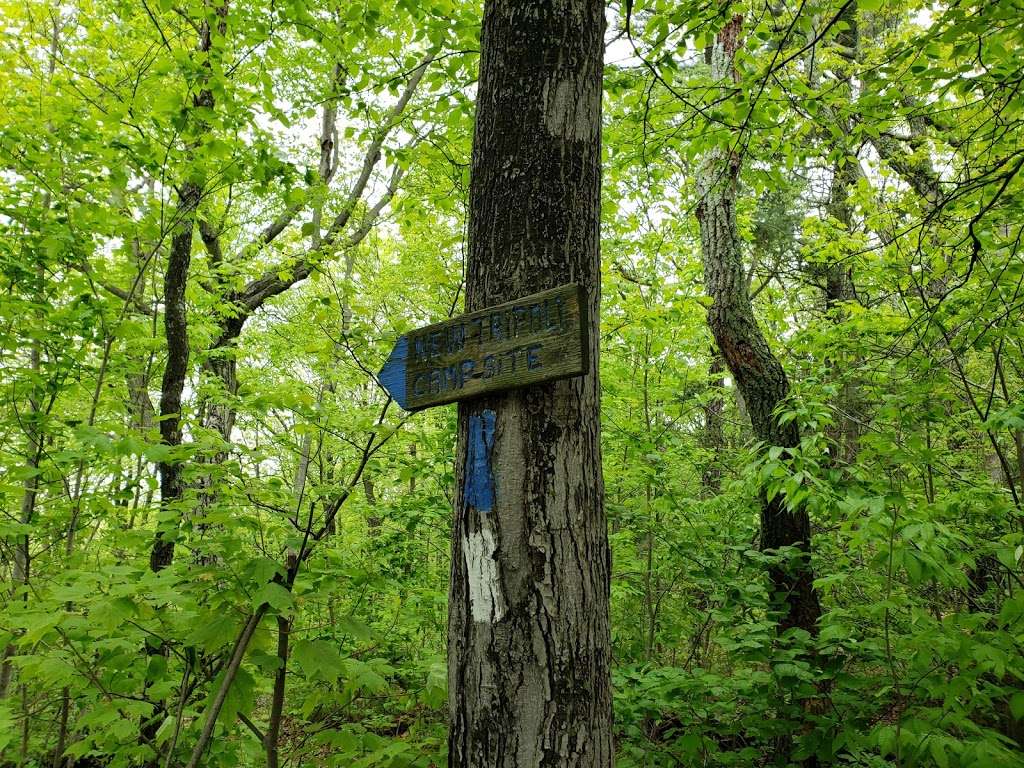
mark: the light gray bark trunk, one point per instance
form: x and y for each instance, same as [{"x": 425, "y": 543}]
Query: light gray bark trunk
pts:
[{"x": 529, "y": 655}]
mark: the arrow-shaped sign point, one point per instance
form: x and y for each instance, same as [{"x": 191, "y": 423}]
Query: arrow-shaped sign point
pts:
[{"x": 392, "y": 375}]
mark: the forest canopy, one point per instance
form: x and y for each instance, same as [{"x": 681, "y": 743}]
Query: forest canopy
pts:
[{"x": 223, "y": 544}]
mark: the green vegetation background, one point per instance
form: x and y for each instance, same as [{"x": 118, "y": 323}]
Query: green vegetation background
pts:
[{"x": 908, "y": 393}]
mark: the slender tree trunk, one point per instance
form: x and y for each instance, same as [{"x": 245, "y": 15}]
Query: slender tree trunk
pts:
[
  {"x": 34, "y": 438},
  {"x": 528, "y": 642},
  {"x": 271, "y": 739},
  {"x": 29, "y": 493},
  {"x": 412, "y": 475},
  {"x": 172, "y": 485},
  {"x": 839, "y": 286},
  {"x": 172, "y": 488},
  {"x": 226, "y": 681},
  {"x": 373, "y": 520},
  {"x": 838, "y": 279},
  {"x": 175, "y": 372},
  {"x": 839, "y": 289},
  {"x": 758, "y": 374}
]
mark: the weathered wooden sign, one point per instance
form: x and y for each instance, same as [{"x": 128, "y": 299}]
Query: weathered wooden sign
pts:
[{"x": 537, "y": 338}]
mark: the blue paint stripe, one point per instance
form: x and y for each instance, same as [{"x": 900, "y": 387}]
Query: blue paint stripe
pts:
[
  {"x": 479, "y": 477},
  {"x": 392, "y": 375}
]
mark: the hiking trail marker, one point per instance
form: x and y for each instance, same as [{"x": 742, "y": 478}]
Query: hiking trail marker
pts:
[{"x": 538, "y": 338}]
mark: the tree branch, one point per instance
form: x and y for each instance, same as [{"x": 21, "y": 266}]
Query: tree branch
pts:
[{"x": 279, "y": 279}]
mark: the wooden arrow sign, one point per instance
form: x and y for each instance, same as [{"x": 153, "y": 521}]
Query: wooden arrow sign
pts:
[{"x": 537, "y": 338}]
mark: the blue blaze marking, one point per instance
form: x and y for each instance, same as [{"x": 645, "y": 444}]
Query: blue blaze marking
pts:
[
  {"x": 479, "y": 478},
  {"x": 392, "y": 375}
]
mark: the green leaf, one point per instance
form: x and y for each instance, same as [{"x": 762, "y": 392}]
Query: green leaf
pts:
[
  {"x": 213, "y": 632},
  {"x": 274, "y": 595},
  {"x": 355, "y": 627},
  {"x": 1017, "y": 706},
  {"x": 885, "y": 737},
  {"x": 318, "y": 660},
  {"x": 8, "y": 728},
  {"x": 1009, "y": 556}
]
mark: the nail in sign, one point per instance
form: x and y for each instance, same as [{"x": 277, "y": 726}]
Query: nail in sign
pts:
[{"x": 537, "y": 338}]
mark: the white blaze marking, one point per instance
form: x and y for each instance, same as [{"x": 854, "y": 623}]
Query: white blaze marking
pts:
[
  {"x": 484, "y": 586},
  {"x": 569, "y": 109}
]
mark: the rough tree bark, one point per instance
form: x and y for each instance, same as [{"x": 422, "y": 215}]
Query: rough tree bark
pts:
[
  {"x": 175, "y": 372},
  {"x": 528, "y": 650},
  {"x": 172, "y": 486},
  {"x": 757, "y": 372},
  {"x": 839, "y": 288}
]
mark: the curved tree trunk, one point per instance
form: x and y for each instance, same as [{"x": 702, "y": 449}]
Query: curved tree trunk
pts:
[
  {"x": 529, "y": 653},
  {"x": 758, "y": 374}
]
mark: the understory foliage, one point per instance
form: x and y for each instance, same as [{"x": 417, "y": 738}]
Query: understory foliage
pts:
[{"x": 301, "y": 169}]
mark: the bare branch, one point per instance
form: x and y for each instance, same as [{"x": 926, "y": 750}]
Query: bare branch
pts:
[
  {"x": 284, "y": 276},
  {"x": 373, "y": 152},
  {"x": 370, "y": 160},
  {"x": 126, "y": 296}
]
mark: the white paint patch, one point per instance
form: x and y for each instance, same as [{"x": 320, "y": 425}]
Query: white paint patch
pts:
[
  {"x": 485, "y": 601},
  {"x": 569, "y": 109}
]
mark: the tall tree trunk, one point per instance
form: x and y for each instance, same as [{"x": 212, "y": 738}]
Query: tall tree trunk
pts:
[
  {"x": 528, "y": 643},
  {"x": 172, "y": 486},
  {"x": 758, "y": 374},
  {"x": 175, "y": 372},
  {"x": 190, "y": 193},
  {"x": 839, "y": 289},
  {"x": 33, "y": 436},
  {"x": 272, "y": 738},
  {"x": 839, "y": 286}
]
